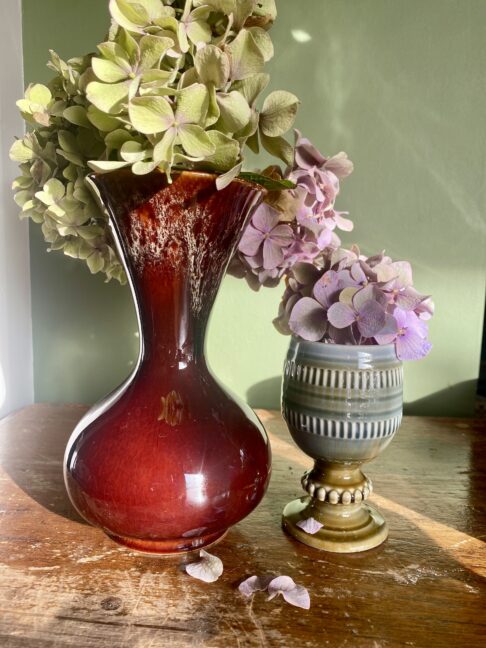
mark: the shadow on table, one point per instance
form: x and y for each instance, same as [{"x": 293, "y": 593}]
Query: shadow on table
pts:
[{"x": 32, "y": 451}]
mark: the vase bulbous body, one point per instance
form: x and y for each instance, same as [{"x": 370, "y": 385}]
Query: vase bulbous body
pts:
[
  {"x": 170, "y": 460},
  {"x": 342, "y": 405}
]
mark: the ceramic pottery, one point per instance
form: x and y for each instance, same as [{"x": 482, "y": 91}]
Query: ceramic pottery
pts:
[
  {"x": 170, "y": 460},
  {"x": 342, "y": 405}
]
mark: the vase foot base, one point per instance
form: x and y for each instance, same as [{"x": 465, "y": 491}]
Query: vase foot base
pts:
[
  {"x": 169, "y": 547},
  {"x": 346, "y": 528}
]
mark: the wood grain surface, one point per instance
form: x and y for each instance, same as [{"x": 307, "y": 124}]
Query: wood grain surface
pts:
[{"x": 63, "y": 583}]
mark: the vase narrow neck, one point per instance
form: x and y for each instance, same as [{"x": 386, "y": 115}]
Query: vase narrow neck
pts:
[{"x": 176, "y": 241}]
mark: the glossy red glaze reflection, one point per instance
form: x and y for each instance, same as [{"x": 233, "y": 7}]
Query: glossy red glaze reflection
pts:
[{"x": 170, "y": 460}]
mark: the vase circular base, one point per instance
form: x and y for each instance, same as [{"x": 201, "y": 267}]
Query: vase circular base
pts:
[
  {"x": 346, "y": 529},
  {"x": 169, "y": 548}
]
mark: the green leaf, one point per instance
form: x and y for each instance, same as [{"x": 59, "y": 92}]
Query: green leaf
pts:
[
  {"x": 212, "y": 65},
  {"x": 19, "y": 152},
  {"x": 278, "y": 113},
  {"x": 195, "y": 141},
  {"x": 268, "y": 183},
  {"x": 279, "y": 147},
  {"x": 151, "y": 115},
  {"x": 246, "y": 57},
  {"x": 77, "y": 115},
  {"x": 109, "y": 71},
  {"x": 235, "y": 111},
  {"x": 192, "y": 104},
  {"x": 108, "y": 97}
]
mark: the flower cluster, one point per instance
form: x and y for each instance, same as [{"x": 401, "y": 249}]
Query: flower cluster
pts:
[
  {"x": 175, "y": 85},
  {"x": 353, "y": 299},
  {"x": 297, "y": 227}
]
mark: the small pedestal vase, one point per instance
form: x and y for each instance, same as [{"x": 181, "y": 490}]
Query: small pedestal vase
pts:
[
  {"x": 342, "y": 405},
  {"x": 170, "y": 460}
]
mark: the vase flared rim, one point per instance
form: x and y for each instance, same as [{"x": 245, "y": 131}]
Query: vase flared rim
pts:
[{"x": 181, "y": 172}]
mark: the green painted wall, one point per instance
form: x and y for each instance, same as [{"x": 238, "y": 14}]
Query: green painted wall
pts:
[{"x": 399, "y": 85}]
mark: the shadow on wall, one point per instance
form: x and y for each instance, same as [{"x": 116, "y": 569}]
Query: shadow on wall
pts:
[{"x": 457, "y": 400}]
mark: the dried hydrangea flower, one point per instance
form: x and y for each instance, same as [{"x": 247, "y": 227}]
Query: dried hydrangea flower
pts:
[
  {"x": 310, "y": 525},
  {"x": 284, "y": 585},
  {"x": 208, "y": 568}
]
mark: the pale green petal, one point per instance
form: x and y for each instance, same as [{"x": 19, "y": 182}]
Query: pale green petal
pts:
[
  {"x": 243, "y": 10},
  {"x": 182, "y": 38},
  {"x": 117, "y": 138},
  {"x": 77, "y": 115},
  {"x": 101, "y": 120},
  {"x": 133, "y": 152},
  {"x": 22, "y": 197},
  {"x": 226, "y": 154},
  {"x": 113, "y": 51},
  {"x": 152, "y": 49},
  {"x": 223, "y": 6},
  {"x": 95, "y": 262},
  {"x": 195, "y": 141},
  {"x": 67, "y": 141},
  {"x": 252, "y": 87},
  {"x": 198, "y": 32},
  {"x": 125, "y": 15},
  {"x": 235, "y": 111},
  {"x": 108, "y": 97},
  {"x": 213, "y": 113},
  {"x": 108, "y": 71},
  {"x": 38, "y": 94},
  {"x": 52, "y": 191},
  {"x": 246, "y": 57},
  {"x": 267, "y": 8},
  {"x": 19, "y": 152},
  {"x": 263, "y": 41},
  {"x": 151, "y": 115},
  {"x": 192, "y": 104},
  {"x": 278, "y": 113},
  {"x": 142, "y": 168},
  {"x": 212, "y": 65},
  {"x": 105, "y": 166},
  {"x": 279, "y": 147},
  {"x": 227, "y": 178},
  {"x": 74, "y": 158},
  {"x": 164, "y": 149}
]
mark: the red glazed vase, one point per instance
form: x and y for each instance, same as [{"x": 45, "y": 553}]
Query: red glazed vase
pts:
[{"x": 170, "y": 460}]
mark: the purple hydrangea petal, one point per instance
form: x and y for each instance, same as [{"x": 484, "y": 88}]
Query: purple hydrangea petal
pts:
[
  {"x": 292, "y": 593},
  {"x": 340, "y": 315},
  {"x": 340, "y": 165},
  {"x": 411, "y": 346},
  {"x": 306, "y": 154},
  {"x": 282, "y": 234},
  {"x": 272, "y": 254},
  {"x": 409, "y": 299},
  {"x": 308, "y": 320},
  {"x": 250, "y": 241},
  {"x": 265, "y": 218},
  {"x": 388, "y": 333},
  {"x": 371, "y": 318}
]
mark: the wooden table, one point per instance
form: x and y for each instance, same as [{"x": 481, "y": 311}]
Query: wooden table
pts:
[{"x": 63, "y": 583}]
